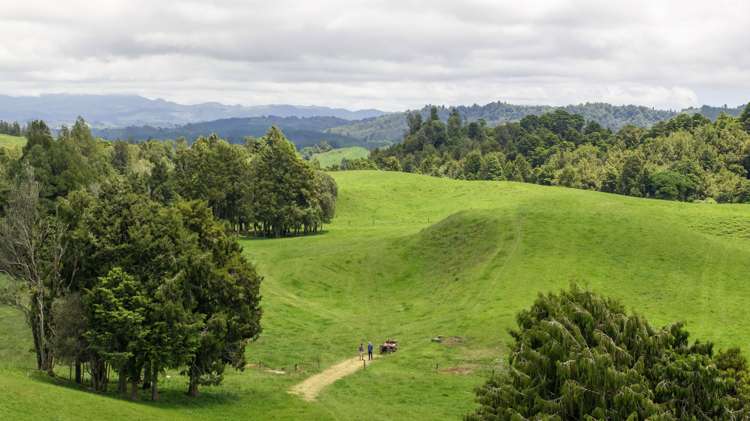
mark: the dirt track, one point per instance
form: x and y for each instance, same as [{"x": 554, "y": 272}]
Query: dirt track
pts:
[{"x": 313, "y": 385}]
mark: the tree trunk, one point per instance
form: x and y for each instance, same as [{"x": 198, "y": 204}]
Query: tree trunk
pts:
[
  {"x": 154, "y": 383},
  {"x": 39, "y": 301},
  {"x": 40, "y": 333},
  {"x": 78, "y": 372},
  {"x": 99, "y": 374},
  {"x": 37, "y": 344},
  {"x": 146, "y": 377},
  {"x": 122, "y": 382},
  {"x": 134, "y": 389},
  {"x": 193, "y": 386}
]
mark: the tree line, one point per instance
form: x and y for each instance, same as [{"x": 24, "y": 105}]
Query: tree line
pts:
[
  {"x": 125, "y": 258},
  {"x": 687, "y": 158},
  {"x": 390, "y": 127},
  {"x": 11, "y": 128}
]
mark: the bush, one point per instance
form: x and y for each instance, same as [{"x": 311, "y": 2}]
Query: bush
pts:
[{"x": 578, "y": 355}]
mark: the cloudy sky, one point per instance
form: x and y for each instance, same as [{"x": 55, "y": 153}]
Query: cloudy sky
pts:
[{"x": 381, "y": 53}]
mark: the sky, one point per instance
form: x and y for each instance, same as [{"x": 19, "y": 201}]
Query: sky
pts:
[{"x": 384, "y": 54}]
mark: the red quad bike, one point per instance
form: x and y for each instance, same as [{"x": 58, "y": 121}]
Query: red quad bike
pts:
[{"x": 389, "y": 346}]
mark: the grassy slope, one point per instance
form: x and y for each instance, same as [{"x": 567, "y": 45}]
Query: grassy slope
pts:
[
  {"x": 413, "y": 257},
  {"x": 7, "y": 141},
  {"x": 334, "y": 156}
]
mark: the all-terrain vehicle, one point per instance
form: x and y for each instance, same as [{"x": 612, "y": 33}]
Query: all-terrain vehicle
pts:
[{"x": 389, "y": 346}]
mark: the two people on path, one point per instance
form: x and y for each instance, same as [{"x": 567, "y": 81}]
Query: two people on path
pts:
[{"x": 361, "y": 350}]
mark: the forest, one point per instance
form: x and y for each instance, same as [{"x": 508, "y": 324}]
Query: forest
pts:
[
  {"x": 392, "y": 126},
  {"x": 10, "y": 128},
  {"x": 687, "y": 158},
  {"x": 125, "y": 258}
]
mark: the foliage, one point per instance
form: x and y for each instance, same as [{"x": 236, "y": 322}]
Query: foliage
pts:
[
  {"x": 72, "y": 161},
  {"x": 392, "y": 127},
  {"x": 32, "y": 249},
  {"x": 114, "y": 269},
  {"x": 577, "y": 355},
  {"x": 225, "y": 290},
  {"x": 11, "y": 128},
  {"x": 188, "y": 298},
  {"x": 686, "y": 158},
  {"x": 745, "y": 118},
  {"x": 284, "y": 195},
  {"x": 217, "y": 172}
]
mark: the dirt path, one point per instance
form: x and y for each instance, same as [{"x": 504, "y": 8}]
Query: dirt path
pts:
[{"x": 313, "y": 385}]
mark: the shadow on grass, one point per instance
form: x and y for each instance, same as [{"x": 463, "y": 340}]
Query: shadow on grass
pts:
[{"x": 169, "y": 398}]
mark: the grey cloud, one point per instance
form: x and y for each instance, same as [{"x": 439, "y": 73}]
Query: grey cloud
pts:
[{"x": 394, "y": 54}]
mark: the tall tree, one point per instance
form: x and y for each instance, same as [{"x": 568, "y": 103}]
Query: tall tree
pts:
[
  {"x": 32, "y": 248},
  {"x": 116, "y": 309},
  {"x": 217, "y": 172},
  {"x": 745, "y": 118},
  {"x": 224, "y": 290},
  {"x": 414, "y": 121},
  {"x": 283, "y": 190},
  {"x": 576, "y": 355}
]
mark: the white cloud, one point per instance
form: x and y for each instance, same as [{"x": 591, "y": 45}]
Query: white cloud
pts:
[{"x": 385, "y": 53}]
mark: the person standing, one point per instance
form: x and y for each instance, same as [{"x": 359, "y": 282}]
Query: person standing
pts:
[
  {"x": 361, "y": 351},
  {"x": 369, "y": 350}
]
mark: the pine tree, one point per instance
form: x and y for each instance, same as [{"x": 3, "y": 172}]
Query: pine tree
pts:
[
  {"x": 283, "y": 190},
  {"x": 745, "y": 118}
]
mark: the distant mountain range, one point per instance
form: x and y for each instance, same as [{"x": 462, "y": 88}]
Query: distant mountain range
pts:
[
  {"x": 103, "y": 111},
  {"x": 137, "y": 118},
  {"x": 303, "y": 132}
]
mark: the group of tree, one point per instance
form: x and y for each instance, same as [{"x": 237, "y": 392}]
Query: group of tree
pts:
[
  {"x": 577, "y": 355},
  {"x": 11, "y": 128},
  {"x": 125, "y": 258},
  {"x": 350, "y": 164},
  {"x": 309, "y": 151},
  {"x": 390, "y": 127},
  {"x": 262, "y": 187},
  {"x": 687, "y": 158}
]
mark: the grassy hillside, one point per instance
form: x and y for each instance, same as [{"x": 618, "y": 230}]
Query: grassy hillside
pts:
[
  {"x": 334, "y": 156},
  {"x": 7, "y": 141},
  {"x": 413, "y": 257}
]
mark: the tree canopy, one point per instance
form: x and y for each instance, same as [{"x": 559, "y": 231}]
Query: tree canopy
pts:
[
  {"x": 577, "y": 355},
  {"x": 125, "y": 257},
  {"x": 687, "y": 158}
]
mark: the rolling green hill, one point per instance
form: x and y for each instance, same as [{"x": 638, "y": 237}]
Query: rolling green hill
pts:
[
  {"x": 413, "y": 257},
  {"x": 334, "y": 156},
  {"x": 15, "y": 142}
]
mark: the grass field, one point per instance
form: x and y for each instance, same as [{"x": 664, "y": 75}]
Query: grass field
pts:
[
  {"x": 334, "y": 156},
  {"x": 15, "y": 142},
  {"x": 413, "y": 257}
]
